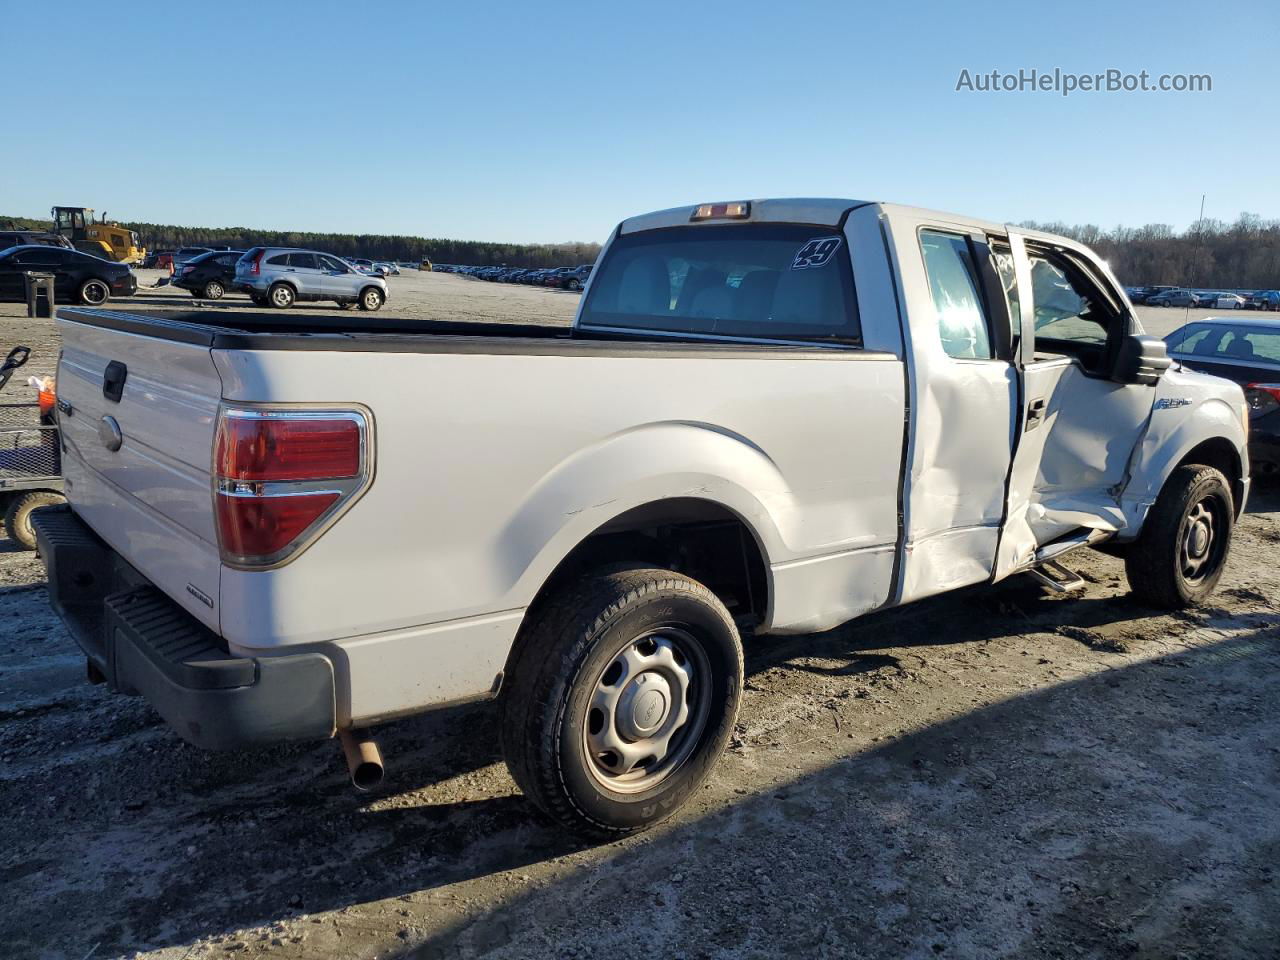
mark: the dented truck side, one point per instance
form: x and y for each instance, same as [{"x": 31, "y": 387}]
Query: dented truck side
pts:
[{"x": 781, "y": 413}]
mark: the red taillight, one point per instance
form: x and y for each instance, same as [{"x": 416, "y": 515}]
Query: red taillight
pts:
[
  {"x": 250, "y": 526},
  {"x": 255, "y": 266},
  {"x": 280, "y": 475},
  {"x": 271, "y": 449},
  {"x": 1262, "y": 398}
]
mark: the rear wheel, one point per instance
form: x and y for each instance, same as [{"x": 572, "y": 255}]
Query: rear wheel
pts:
[
  {"x": 370, "y": 298},
  {"x": 1183, "y": 548},
  {"x": 94, "y": 293},
  {"x": 213, "y": 290},
  {"x": 17, "y": 519},
  {"x": 621, "y": 699},
  {"x": 281, "y": 296},
  {"x": 574, "y": 285}
]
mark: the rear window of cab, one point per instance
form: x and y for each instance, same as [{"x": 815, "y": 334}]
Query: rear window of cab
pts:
[{"x": 758, "y": 281}]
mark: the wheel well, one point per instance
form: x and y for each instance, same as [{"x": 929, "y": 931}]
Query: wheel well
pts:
[
  {"x": 1219, "y": 453},
  {"x": 698, "y": 538},
  {"x": 371, "y": 286}
]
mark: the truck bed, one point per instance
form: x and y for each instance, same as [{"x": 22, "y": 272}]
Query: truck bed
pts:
[{"x": 350, "y": 331}]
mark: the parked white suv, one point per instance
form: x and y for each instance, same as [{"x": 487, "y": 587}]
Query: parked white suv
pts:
[
  {"x": 281, "y": 276},
  {"x": 782, "y": 413}
]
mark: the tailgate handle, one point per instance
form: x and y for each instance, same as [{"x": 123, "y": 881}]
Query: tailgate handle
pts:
[{"x": 113, "y": 380}]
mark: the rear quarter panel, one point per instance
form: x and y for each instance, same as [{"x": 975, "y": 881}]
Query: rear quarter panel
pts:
[{"x": 492, "y": 467}]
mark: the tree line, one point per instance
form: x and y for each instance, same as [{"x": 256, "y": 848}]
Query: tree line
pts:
[
  {"x": 156, "y": 236},
  {"x": 1242, "y": 255},
  {"x": 1213, "y": 254}
]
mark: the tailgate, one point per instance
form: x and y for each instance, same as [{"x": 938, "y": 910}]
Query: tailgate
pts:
[{"x": 138, "y": 467}]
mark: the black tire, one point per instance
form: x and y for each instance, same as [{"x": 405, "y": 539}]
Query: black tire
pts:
[
  {"x": 570, "y": 645},
  {"x": 371, "y": 299},
  {"x": 213, "y": 290},
  {"x": 281, "y": 296},
  {"x": 574, "y": 285},
  {"x": 17, "y": 519},
  {"x": 1182, "y": 551},
  {"x": 94, "y": 292}
]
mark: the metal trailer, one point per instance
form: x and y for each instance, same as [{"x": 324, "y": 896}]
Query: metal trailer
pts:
[{"x": 30, "y": 459}]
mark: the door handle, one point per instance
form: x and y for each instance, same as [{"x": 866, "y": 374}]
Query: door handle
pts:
[{"x": 1035, "y": 413}]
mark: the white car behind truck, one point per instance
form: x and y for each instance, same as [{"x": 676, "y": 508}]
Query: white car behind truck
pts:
[{"x": 776, "y": 413}]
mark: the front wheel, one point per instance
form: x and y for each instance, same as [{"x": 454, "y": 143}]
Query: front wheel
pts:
[
  {"x": 574, "y": 285},
  {"x": 621, "y": 699},
  {"x": 371, "y": 299},
  {"x": 1178, "y": 559},
  {"x": 94, "y": 293}
]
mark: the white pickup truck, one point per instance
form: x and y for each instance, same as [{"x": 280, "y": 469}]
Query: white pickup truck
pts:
[{"x": 779, "y": 414}]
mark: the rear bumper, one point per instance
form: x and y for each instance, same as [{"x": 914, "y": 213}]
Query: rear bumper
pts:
[{"x": 142, "y": 642}]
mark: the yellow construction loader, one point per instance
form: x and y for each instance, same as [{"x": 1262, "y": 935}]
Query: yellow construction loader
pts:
[{"x": 103, "y": 238}]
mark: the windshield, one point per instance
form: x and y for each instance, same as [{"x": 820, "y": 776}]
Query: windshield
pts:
[{"x": 768, "y": 281}]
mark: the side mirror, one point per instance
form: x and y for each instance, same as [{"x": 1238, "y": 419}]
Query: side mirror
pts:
[{"x": 1141, "y": 359}]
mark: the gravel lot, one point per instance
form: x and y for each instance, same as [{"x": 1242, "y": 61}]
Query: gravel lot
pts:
[{"x": 994, "y": 773}]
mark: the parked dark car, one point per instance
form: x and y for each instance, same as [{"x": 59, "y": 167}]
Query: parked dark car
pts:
[
  {"x": 1262, "y": 300},
  {"x": 1172, "y": 298},
  {"x": 209, "y": 275},
  {"x": 19, "y": 238},
  {"x": 80, "y": 277},
  {"x": 1144, "y": 294},
  {"x": 1247, "y": 351},
  {"x": 574, "y": 278}
]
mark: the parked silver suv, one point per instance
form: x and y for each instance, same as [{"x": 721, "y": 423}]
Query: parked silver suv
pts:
[{"x": 279, "y": 276}]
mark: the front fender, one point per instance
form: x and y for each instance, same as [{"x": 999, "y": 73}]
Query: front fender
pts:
[
  {"x": 683, "y": 460},
  {"x": 1190, "y": 408}
]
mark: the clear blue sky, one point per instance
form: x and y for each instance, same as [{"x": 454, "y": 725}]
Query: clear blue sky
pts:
[{"x": 552, "y": 121}]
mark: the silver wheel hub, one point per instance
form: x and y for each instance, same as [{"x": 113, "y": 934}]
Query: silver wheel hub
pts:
[
  {"x": 643, "y": 706},
  {"x": 1199, "y": 539},
  {"x": 647, "y": 710},
  {"x": 1198, "y": 553}
]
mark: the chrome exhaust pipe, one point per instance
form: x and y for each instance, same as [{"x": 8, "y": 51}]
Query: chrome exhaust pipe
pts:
[{"x": 364, "y": 760}]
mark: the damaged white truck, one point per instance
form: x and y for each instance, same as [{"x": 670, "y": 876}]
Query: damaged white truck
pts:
[{"x": 780, "y": 414}]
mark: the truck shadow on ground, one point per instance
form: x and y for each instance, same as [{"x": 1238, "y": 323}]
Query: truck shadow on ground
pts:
[{"x": 1128, "y": 813}]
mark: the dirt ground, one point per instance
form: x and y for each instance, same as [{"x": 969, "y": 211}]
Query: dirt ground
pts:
[{"x": 994, "y": 773}]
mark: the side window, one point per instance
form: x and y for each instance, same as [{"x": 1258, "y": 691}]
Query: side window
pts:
[
  {"x": 1066, "y": 308},
  {"x": 1003, "y": 256},
  {"x": 329, "y": 263},
  {"x": 953, "y": 282},
  {"x": 306, "y": 261},
  {"x": 279, "y": 260}
]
